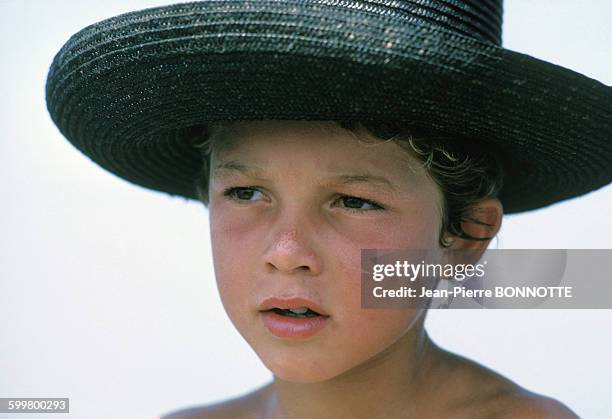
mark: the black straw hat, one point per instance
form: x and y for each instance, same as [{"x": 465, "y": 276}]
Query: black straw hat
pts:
[{"x": 127, "y": 91}]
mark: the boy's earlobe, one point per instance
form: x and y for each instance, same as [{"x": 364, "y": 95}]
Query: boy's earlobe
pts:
[{"x": 485, "y": 223}]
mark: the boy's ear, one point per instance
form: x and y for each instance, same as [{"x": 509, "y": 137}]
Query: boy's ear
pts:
[{"x": 487, "y": 216}]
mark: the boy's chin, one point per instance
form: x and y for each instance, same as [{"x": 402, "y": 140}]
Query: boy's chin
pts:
[{"x": 300, "y": 373}]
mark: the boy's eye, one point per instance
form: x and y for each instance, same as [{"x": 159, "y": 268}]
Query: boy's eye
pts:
[
  {"x": 241, "y": 193},
  {"x": 351, "y": 203},
  {"x": 354, "y": 203}
]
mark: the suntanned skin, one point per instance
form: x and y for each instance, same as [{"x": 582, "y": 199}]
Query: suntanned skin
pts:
[
  {"x": 456, "y": 388},
  {"x": 296, "y": 236}
]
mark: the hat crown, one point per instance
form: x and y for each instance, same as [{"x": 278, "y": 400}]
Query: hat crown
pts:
[{"x": 479, "y": 19}]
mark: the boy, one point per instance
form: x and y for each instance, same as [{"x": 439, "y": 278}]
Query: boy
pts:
[{"x": 133, "y": 92}]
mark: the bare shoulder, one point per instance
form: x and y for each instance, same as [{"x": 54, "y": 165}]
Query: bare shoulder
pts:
[
  {"x": 535, "y": 406},
  {"x": 487, "y": 394},
  {"x": 248, "y": 406}
]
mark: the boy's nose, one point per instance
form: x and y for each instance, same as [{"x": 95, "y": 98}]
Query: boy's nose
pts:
[{"x": 289, "y": 251}]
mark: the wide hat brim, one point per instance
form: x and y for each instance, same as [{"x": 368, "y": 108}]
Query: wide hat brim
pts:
[{"x": 128, "y": 90}]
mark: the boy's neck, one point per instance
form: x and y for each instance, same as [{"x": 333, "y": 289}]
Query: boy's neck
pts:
[{"x": 397, "y": 380}]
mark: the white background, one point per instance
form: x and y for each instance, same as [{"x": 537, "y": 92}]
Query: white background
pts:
[{"x": 107, "y": 294}]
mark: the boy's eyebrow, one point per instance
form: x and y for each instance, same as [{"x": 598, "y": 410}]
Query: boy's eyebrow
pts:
[
  {"x": 363, "y": 177},
  {"x": 236, "y": 166}
]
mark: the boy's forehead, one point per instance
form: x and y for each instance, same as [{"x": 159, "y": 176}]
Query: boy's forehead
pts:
[
  {"x": 338, "y": 176},
  {"x": 318, "y": 162}
]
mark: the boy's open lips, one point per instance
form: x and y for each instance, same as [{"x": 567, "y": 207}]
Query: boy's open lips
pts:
[
  {"x": 293, "y": 318},
  {"x": 283, "y": 326}
]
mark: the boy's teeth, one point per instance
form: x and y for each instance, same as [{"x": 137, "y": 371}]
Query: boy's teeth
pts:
[{"x": 301, "y": 310}]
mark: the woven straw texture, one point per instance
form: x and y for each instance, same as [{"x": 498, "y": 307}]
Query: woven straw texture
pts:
[{"x": 126, "y": 91}]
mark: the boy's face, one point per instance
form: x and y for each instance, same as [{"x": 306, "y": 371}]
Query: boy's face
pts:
[{"x": 296, "y": 230}]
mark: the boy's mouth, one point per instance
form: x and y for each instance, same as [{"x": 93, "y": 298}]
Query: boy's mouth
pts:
[
  {"x": 300, "y": 313},
  {"x": 295, "y": 307},
  {"x": 293, "y": 318}
]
